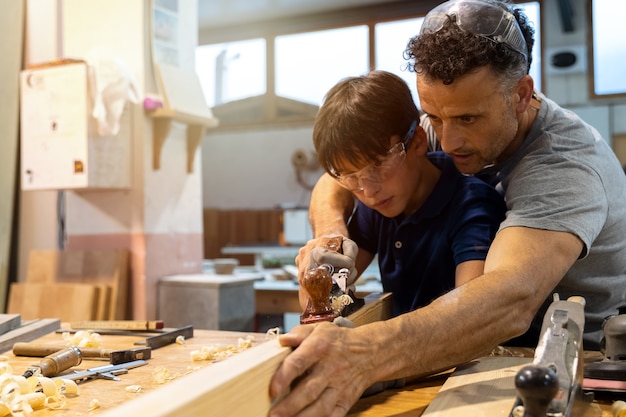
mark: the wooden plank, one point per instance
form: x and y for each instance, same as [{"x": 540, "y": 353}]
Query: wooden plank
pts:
[
  {"x": 482, "y": 388},
  {"x": 9, "y": 322},
  {"x": 28, "y": 332},
  {"x": 377, "y": 308},
  {"x": 235, "y": 387},
  {"x": 67, "y": 302},
  {"x": 97, "y": 267}
]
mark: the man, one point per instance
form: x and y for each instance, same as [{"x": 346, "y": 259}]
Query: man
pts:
[
  {"x": 564, "y": 229},
  {"x": 430, "y": 226}
]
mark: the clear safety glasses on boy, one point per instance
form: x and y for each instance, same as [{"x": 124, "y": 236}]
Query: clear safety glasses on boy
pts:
[
  {"x": 481, "y": 17},
  {"x": 381, "y": 170}
]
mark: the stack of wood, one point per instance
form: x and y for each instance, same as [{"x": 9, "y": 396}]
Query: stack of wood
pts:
[
  {"x": 13, "y": 329},
  {"x": 73, "y": 285}
]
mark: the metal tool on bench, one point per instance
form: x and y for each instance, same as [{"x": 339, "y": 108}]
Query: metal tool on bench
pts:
[
  {"x": 114, "y": 356},
  {"x": 552, "y": 384},
  {"x": 156, "y": 338},
  {"x": 167, "y": 337},
  {"x": 109, "y": 372}
]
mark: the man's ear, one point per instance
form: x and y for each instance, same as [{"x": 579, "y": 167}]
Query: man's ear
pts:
[{"x": 524, "y": 90}]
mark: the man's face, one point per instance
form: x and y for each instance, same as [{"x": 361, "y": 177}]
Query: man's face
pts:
[{"x": 475, "y": 123}]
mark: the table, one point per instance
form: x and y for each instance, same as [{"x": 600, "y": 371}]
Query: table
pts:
[
  {"x": 260, "y": 251},
  {"x": 411, "y": 400}
]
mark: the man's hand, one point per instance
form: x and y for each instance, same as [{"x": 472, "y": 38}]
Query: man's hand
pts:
[
  {"x": 315, "y": 253},
  {"x": 327, "y": 373}
]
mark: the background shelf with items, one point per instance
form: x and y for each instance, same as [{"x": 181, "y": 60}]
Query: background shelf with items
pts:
[{"x": 183, "y": 102}]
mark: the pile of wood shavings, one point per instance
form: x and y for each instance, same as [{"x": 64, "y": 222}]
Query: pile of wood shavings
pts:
[
  {"x": 338, "y": 303},
  {"x": 20, "y": 396},
  {"x": 219, "y": 352},
  {"x": 83, "y": 339}
]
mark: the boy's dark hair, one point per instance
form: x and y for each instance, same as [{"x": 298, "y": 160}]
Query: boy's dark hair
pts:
[
  {"x": 451, "y": 53},
  {"x": 358, "y": 118}
]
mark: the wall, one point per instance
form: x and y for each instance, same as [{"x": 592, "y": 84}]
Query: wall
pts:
[
  {"x": 159, "y": 218},
  {"x": 233, "y": 160},
  {"x": 252, "y": 169},
  {"x": 572, "y": 90}
]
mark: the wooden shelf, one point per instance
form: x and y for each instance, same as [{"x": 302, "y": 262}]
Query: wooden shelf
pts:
[{"x": 162, "y": 123}]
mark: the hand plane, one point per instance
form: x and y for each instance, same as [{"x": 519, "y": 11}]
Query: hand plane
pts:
[{"x": 552, "y": 384}]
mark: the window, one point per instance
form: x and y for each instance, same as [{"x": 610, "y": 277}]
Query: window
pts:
[
  {"x": 391, "y": 40},
  {"x": 608, "y": 49},
  {"x": 283, "y": 75},
  {"x": 231, "y": 71},
  {"x": 309, "y": 64}
]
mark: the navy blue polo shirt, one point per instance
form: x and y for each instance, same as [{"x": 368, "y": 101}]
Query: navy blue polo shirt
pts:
[{"x": 418, "y": 255}]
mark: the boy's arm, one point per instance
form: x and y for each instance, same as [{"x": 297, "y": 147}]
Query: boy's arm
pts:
[{"x": 468, "y": 270}]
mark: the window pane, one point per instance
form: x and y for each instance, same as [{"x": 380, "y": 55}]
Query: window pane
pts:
[
  {"x": 309, "y": 64},
  {"x": 531, "y": 9},
  {"x": 609, "y": 49},
  {"x": 231, "y": 71},
  {"x": 391, "y": 41}
]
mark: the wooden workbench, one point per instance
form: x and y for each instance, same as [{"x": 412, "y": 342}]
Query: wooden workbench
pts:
[{"x": 412, "y": 400}]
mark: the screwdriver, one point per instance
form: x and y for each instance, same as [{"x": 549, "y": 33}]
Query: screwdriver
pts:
[{"x": 56, "y": 363}]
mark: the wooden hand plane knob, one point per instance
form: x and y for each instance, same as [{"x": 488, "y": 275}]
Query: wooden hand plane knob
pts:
[
  {"x": 318, "y": 284},
  {"x": 536, "y": 386}
]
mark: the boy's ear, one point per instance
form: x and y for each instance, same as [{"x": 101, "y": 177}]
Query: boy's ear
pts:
[{"x": 420, "y": 141}]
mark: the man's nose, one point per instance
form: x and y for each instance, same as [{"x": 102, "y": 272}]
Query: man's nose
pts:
[{"x": 450, "y": 139}]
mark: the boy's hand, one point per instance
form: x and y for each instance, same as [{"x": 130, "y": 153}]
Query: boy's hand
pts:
[{"x": 315, "y": 253}]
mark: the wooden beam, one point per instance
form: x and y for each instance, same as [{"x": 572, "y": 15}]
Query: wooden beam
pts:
[
  {"x": 27, "y": 332},
  {"x": 235, "y": 387},
  {"x": 484, "y": 387},
  {"x": 377, "y": 308}
]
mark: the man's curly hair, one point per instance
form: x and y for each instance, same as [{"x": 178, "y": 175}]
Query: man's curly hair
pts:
[{"x": 451, "y": 53}]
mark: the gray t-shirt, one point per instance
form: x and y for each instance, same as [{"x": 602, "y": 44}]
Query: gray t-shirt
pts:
[{"x": 565, "y": 177}]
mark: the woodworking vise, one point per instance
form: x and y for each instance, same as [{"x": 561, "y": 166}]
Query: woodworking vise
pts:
[{"x": 552, "y": 385}]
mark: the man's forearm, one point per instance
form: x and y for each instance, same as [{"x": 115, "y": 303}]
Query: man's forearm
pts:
[{"x": 330, "y": 208}]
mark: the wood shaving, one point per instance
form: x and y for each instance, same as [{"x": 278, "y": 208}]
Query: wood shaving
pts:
[
  {"x": 619, "y": 408},
  {"x": 518, "y": 411},
  {"x": 220, "y": 352},
  {"x": 161, "y": 375},
  {"x": 20, "y": 396},
  {"x": 93, "y": 404},
  {"x": 55, "y": 403},
  {"x": 338, "y": 303},
  {"x": 83, "y": 339},
  {"x": 133, "y": 388},
  {"x": 274, "y": 331},
  {"x": 502, "y": 351}
]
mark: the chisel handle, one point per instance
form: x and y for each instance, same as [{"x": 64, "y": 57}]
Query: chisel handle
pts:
[{"x": 38, "y": 350}]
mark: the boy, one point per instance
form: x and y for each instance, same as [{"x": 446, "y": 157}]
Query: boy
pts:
[{"x": 430, "y": 225}]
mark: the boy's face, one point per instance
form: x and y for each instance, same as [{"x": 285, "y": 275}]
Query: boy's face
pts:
[{"x": 389, "y": 185}]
